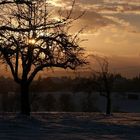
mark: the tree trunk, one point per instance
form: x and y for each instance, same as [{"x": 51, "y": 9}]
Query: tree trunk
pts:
[
  {"x": 108, "y": 106},
  {"x": 25, "y": 104}
]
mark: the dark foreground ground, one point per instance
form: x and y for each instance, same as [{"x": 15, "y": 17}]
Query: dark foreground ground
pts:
[{"x": 70, "y": 126}]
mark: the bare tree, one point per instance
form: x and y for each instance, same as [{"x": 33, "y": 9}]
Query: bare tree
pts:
[
  {"x": 105, "y": 80},
  {"x": 31, "y": 39}
]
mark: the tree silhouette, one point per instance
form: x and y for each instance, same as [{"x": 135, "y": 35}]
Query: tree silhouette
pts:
[
  {"x": 105, "y": 80},
  {"x": 32, "y": 39}
]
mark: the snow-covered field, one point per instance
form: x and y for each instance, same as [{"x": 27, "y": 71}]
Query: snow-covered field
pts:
[{"x": 70, "y": 126}]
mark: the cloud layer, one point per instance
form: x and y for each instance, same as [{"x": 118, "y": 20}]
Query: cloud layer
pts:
[
  {"x": 112, "y": 29},
  {"x": 100, "y": 13}
]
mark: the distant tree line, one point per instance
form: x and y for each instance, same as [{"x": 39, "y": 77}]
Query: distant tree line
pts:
[
  {"x": 9, "y": 96},
  {"x": 121, "y": 84}
]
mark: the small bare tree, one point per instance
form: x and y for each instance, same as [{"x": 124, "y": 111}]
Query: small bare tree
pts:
[
  {"x": 105, "y": 80},
  {"x": 31, "y": 39}
]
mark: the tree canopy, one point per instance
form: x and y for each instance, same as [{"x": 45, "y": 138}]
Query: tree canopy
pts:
[{"x": 32, "y": 39}]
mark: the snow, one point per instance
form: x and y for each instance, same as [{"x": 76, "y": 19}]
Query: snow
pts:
[{"x": 71, "y": 126}]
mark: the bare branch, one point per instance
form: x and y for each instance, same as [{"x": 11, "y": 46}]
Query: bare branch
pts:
[{"x": 32, "y": 40}]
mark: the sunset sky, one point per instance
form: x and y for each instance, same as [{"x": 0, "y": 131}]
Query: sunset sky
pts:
[{"x": 112, "y": 28}]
